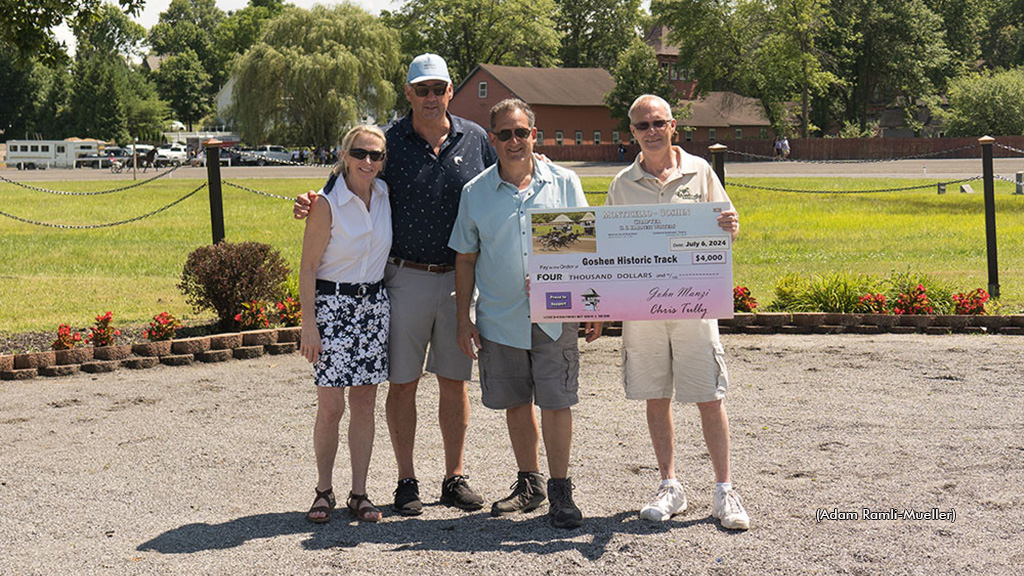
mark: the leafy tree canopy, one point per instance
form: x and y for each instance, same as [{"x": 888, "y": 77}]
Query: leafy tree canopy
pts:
[
  {"x": 594, "y": 32},
  {"x": 27, "y": 25},
  {"x": 637, "y": 72},
  {"x": 315, "y": 73},
  {"x": 989, "y": 103},
  {"x": 471, "y": 32}
]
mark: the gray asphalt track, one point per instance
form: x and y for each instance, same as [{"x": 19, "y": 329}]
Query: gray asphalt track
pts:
[{"x": 209, "y": 469}]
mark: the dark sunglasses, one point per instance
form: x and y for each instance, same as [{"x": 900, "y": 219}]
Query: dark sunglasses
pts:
[
  {"x": 645, "y": 126},
  {"x": 360, "y": 154},
  {"x": 437, "y": 89},
  {"x": 506, "y": 135}
]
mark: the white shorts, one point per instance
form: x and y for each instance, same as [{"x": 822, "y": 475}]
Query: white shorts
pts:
[{"x": 684, "y": 356}]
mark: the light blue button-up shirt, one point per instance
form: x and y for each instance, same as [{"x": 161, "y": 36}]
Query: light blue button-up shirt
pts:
[{"x": 493, "y": 221}]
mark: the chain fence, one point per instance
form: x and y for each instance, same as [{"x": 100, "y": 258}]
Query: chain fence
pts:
[
  {"x": 98, "y": 193},
  {"x": 871, "y": 191},
  {"x": 1010, "y": 148},
  {"x": 108, "y": 224},
  {"x": 856, "y": 161},
  {"x": 254, "y": 191},
  {"x": 258, "y": 158}
]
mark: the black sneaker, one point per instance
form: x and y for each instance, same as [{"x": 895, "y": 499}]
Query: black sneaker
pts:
[
  {"x": 527, "y": 494},
  {"x": 407, "y": 498},
  {"x": 562, "y": 510},
  {"x": 455, "y": 491}
]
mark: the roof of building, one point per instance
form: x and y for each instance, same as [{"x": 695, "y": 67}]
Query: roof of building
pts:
[
  {"x": 724, "y": 109},
  {"x": 552, "y": 86}
]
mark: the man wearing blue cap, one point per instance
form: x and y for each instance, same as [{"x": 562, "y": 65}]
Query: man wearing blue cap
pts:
[{"x": 430, "y": 157}]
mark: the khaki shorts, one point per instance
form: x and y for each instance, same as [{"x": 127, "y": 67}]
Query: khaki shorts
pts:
[
  {"x": 548, "y": 374},
  {"x": 422, "y": 314},
  {"x": 662, "y": 356}
]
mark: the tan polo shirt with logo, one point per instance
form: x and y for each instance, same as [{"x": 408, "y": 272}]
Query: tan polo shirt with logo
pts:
[{"x": 693, "y": 181}]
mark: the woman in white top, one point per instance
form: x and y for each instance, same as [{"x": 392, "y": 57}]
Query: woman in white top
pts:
[{"x": 344, "y": 249}]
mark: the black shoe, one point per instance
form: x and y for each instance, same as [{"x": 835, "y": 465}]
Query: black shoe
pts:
[
  {"x": 455, "y": 491},
  {"x": 562, "y": 510},
  {"x": 407, "y": 498},
  {"x": 527, "y": 494}
]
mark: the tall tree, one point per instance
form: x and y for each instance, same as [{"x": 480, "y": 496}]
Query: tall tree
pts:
[
  {"x": 637, "y": 72},
  {"x": 97, "y": 104},
  {"x": 109, "y": 31},
  {"x": 987, "y": 104},
  {"x": 471, "y": 32},
  {"x": 315, "y": 73},
  {"x": 883, "y": 51},
  {"x": 594, "y": 32},
  {"x": 190, "y": 25},
  {"x": 27, "y": 25},
  {"x": 184, "y": 84},
  {"x": 1003, "y": 39},
  {"x": 764, "y": 49},
  {"x": 241, "y": 30},
  {"x": 16, "y": 93}
]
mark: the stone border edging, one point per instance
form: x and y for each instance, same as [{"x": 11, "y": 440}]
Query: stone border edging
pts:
[
  {"x": 827, "y": 323},
  {"x": 179, "y": 352}
]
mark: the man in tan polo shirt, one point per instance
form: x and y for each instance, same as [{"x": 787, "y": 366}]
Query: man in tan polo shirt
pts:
[{"x": 680, "y": 356}]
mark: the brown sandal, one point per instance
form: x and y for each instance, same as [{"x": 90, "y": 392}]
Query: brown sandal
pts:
[
  {"x": 328, "y": 510},
  {"x": 361, "y": 507}
]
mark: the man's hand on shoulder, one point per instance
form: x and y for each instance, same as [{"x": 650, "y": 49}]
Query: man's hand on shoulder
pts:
[{"x": 303, "y": 202}]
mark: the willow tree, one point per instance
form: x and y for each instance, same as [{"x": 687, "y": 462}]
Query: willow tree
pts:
[{"x": 313, "y": 74}]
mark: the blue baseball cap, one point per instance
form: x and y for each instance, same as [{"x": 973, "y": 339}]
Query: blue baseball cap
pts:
[{"x": 427, "y": 67}]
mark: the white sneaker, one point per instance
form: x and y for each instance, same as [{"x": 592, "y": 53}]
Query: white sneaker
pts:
[
  {"x": 727, "y": 508},
  {"x": 670, "y": 500}
]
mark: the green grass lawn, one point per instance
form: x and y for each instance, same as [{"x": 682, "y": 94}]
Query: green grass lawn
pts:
[{"x": 52, "y": 276}]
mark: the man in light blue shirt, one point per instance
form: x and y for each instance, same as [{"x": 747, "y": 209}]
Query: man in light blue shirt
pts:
[{"x": 521, "y": 363}]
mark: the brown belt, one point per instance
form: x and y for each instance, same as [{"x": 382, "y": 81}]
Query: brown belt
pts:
[{"x": 435, "y": 268}]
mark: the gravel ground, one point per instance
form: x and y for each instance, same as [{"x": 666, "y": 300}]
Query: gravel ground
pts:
[{"x": 209, "y": 469}]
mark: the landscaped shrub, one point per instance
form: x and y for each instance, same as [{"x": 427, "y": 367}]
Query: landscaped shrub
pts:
[
  {"x": 836, "y": 292},
  {"x": 224, "y": 276},
  {"x": 971, "y": 303},
  {"x": 873, "y": 304},
  {"x": 787, "y": 288},
  {"x": 940, "y": 294},
  {"x": 742, "y": 301},
  {"x": 289, "y": 313},
  {"x": 913, "y": 301},
  {"x": 162, "y": 327},
  {"x": 102, "y": 333},
  {"x": 253, "y": 316},
  {"x": 66, "y": 339}
]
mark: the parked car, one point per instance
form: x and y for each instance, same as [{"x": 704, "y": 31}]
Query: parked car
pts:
[
  {"x": 105, "y": 157},
  {"x": 168, "y": 154},
  {"x": 270, "y": 154}
]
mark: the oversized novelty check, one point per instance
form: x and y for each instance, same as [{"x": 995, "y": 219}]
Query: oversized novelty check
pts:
[{"x": 660, "y": 261}]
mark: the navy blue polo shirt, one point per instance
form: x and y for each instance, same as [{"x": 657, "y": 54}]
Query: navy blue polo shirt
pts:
[{"x": 425, "y": 188}]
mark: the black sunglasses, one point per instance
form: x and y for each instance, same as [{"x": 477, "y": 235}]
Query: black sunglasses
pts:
[
  {"x": 506, "y": 135},
  {"x": 645, "y": 126},
  {"x": 361, "y": 154},
  {"x": 437, "y": 89}
]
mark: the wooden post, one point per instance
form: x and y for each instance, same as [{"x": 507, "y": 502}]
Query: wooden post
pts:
[
  {"x": 212, "y": 147},
  {"x": 990, "y": 213},
  {"x": 718, "y": 160}
]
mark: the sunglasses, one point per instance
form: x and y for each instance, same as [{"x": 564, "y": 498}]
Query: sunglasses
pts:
[
  {"x": 361, "y": 154},
  {"x": 506, "y": 135},
  {"x": 437, "y": 89},
  {"x": 645, "y": 126}
]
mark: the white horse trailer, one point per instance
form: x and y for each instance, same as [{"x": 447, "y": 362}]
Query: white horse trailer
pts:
[{"x": 42, "y": 154}]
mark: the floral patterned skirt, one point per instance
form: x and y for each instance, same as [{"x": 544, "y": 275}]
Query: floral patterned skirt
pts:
[{"x": 354, "y": 339}]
